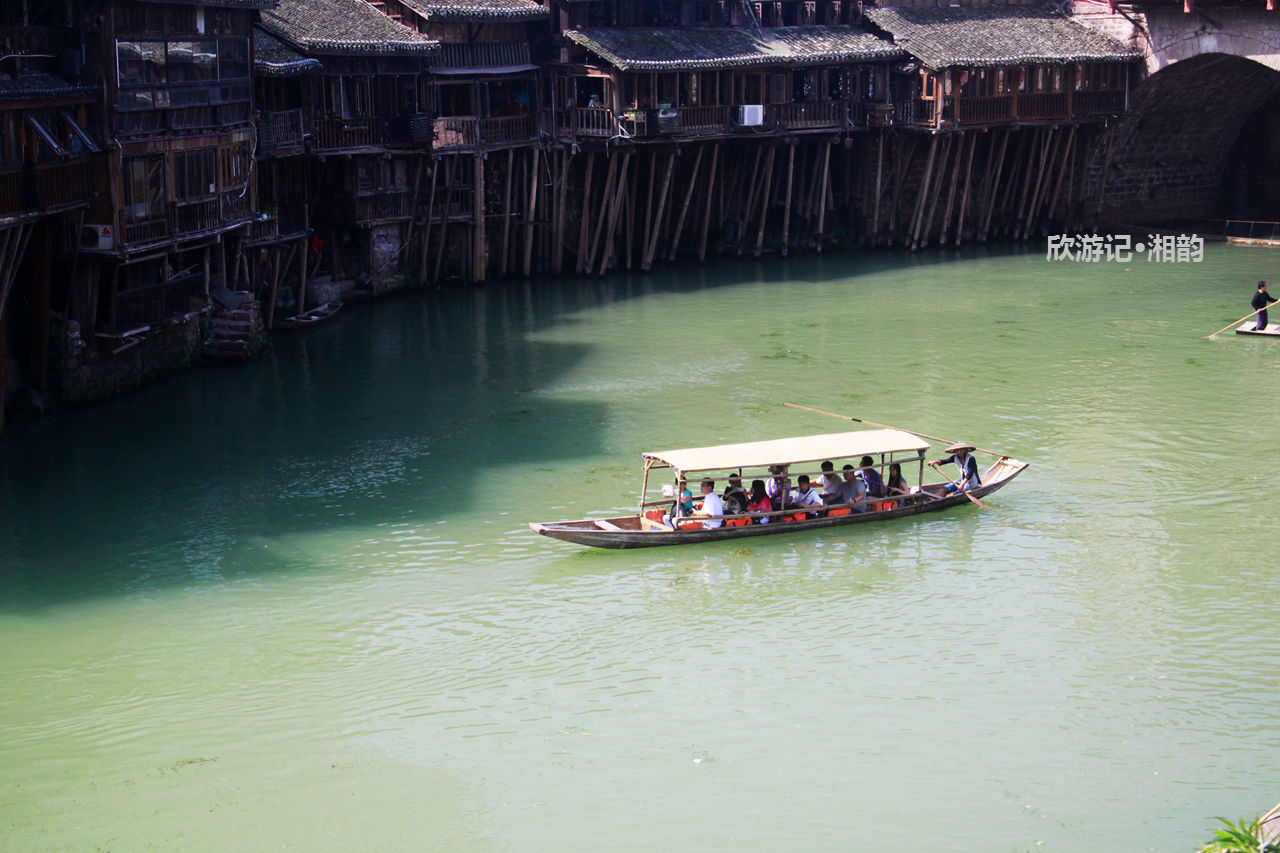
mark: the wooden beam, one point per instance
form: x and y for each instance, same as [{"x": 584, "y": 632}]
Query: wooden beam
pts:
[
  {"x": 951, "y": 191},
  {"x": 620, "y": 193},
  {"x": 533, "y": 208},
  {"x": 913, "y": 230},
  {"x": 684, "y": 208},
  {"x": 786, "y": 207},
  {"x": 504, "y": 264},
  {"x": 711, "y": 186},
  {"x": 764, "y": 201},
  {"x": 606, "y": 199},
  {"x": 968, "y": 181},
  {"x": 585, "y": 214},
  {"x": 647, "y": 263}
]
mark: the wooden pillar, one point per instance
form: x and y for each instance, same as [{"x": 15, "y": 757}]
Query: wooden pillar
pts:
[
  {"x": 557, "y": 263},
  {"x": 951, "y": 190},
  {"x": 477, "y": 219},
  {"x": 875, "y": 211},
  {"x": 964, "y": 198},
  {"x": 922, "y": 196},
  {"x": 605, "y": 200},
  {"x": 647, "y": 262},
  {"x": 620, "y": 193},
  {"x": 786, "y": 207},
  {"x": 585, "y": 214},
  {"x": 504, "y": 264},
  {"x": 1062, "y": 170},
  {"x": 995, "y": 187},
  {"x": 532, "y": 210},
  {"x": 824, "y": 192},
  {"x": 764, "y": 202},
  {"x": 684, "y": 208},
  {"x": 443, "y": 245},
  {"x": 711, "y": 186}
]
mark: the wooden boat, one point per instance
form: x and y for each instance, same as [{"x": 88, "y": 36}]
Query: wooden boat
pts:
[
  {"x": 309, "y": 318},
  {"x": 649, "y": 526},
  {"x": 1271, "y": 331}
]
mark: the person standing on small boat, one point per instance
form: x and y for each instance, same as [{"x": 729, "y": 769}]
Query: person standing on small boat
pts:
[
  {"x": 712, "y": 507},
  {"x": 961, "y": 454},
  {"x": 1261, "y": 299}
]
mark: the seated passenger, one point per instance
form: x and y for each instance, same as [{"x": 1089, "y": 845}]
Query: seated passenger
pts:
[
  {"x": 896, "y": 484},
  {"x": 712, "y": 507},
  {"x": 759, "y": 501},
  {"x": 683, "y": 506},
  {"x": 735, "y": 497},
  {"x": 830, "y": 484},
  {"x": 853, "y": 490},
  {"x": 805, "y": 495},
  {"x": 778, "y": 487},
  {"x": 869, "y": 474}
]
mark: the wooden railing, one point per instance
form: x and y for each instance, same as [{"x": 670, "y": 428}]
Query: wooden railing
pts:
[
  {"x": 1097, "y": 103},
  {"x": 263, "y": 228},
  {"x": 152, "y": 231},
  {"x": 472, "y": 131},
  {"x": 829, "y": 114},
  {"x": 190, "y": 216},
  {"x": 12, "y": 197},
  {"x": 393, "y": 204},
  {"x": 984, "y": 110},
  {"x": 713, "y": 119},
  {"x": 236, "y": 207},
  {"x": 1042, "y": 105},
  {"x": 282, "y": 129},
  {"x": 586, "y": 121},
  {"x": 337, "y": 133},
  {"x": 60, "y": 184}
]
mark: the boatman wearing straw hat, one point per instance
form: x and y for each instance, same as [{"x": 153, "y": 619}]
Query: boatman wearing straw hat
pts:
[{"x": 961, "y": 454}]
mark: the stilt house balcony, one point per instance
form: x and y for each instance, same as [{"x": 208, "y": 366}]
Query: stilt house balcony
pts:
[
  {"x": 189, "y": 219},
  {"x": 45, "y": 188},
  {"x": 13, "y": 198},
  {"x": 584, "y": 122},
  {"x": 1088, "y": 104},
  {"x": 385, "y": 206},
  {"x": 473, "y": 133},
  {"x": 280, "y": 132}
]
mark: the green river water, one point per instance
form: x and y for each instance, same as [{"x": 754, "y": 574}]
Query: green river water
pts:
[{"x": 295, "y": 604}]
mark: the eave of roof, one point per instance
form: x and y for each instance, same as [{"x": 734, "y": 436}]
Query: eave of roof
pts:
[
  {"x": 479, "y": 10},
  {"x": 274, "y": 58},
  {"x": 682, "y": 49},
  {"x": 989, "y": 36}
]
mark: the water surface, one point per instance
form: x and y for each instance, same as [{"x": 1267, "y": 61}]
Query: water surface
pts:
[{"x": 296, "y": 604}]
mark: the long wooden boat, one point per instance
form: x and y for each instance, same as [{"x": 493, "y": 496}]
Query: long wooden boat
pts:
[
  {"x": 648, "y": 527},
  {"x": 1271, "y": 331}
]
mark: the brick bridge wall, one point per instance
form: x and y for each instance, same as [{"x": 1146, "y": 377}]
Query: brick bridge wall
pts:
[{"x": 1209, "y": 78}]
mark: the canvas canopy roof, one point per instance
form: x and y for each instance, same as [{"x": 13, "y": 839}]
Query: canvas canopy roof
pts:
[{"x": 785, "y": 451}]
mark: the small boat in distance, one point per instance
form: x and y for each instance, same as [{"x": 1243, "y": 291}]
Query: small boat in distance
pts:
[
  {"x": 309, "y": 318},
  {"x": 653, "y": 524}
]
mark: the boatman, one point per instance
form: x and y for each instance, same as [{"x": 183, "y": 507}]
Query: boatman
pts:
[
  {"x": 961, "y": 454},
  {"x": 1261, "y": 300}
]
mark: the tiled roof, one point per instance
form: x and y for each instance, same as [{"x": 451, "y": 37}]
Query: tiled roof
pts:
[
  {"x": 479, "y": 10},
  {"x": 724, "y": 47},
  {"x": 342, "y": 27},
  {"x": 274, "y": 58},
  {"x": 995, "y": 35},
  {"x": 38, "y": 85},
  {"x": 233, "y": 4}
]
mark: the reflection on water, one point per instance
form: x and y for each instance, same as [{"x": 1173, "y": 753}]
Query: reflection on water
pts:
[{"x": 296, "y": 602}]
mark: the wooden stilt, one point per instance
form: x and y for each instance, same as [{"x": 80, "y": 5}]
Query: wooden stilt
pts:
[
  {"x": 611, "y": 227},
  {"x": 478, "y": 220},
  {"x": 745, "y": 214},
  {"x": 647, "y": 263},
  {"x": 504, "y": 260},
  {"x": 935, "y": 193},
  {"x": 606, "y": 199},
  {"x": 557, "y": 264},
  {"x": 648, "y": 203},
  {"x": 964, "y": 197},
  {"x": 585, "y": 215},
  {"x": 995, "y": 188},
  {"x": 532, "y": 216},
  {"x": 786, "y": 205},
  {"x": 764, "y": 200},
  {"x": 629, "y": 216},
  {"x": 1062, "y": 171},
  {"x": 945, "y": 229},
  {"x": 426, "y": 225},
  {"x": 824, "y": 193},
  {"x": 711, "y": 186},
  {"x": 875, "y": 210},
  {"x": 913, "y": 229},
  {"x": 684, "y": 208},
  {"x": 449, "y": 178}
]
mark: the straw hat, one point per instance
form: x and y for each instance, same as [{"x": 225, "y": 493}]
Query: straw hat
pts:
[{"x": 961, "y": 445}]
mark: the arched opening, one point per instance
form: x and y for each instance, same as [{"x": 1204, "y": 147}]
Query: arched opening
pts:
[{"x": 1197, "y": 143}]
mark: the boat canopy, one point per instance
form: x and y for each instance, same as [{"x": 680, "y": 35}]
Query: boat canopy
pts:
[{"x": 786, "y": 451}]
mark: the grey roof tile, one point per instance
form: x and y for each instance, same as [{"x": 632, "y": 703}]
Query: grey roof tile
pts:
[
  {"x": 342, "y": 27},
  {"x": 477, "y": 10},
  {"x": 274, "y": 58},
  {"x": 987, "y": 36}
]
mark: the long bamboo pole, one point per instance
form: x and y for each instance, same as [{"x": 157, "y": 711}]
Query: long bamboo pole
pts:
[{"x": 886, "y": 426}]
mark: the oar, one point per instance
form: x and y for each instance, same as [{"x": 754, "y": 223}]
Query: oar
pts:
[
  {"x": 934, "y": 466},
  {"x": 1241, "y": 320},
  {"x": 886, "y": 426}
]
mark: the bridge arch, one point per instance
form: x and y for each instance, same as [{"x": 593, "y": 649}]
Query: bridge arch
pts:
[{"x": 1199, "y": 142}]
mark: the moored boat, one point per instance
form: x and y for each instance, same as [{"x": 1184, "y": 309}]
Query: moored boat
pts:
[
  {"x": 655, "y": 523},
  {"x": 309, "y": 318}
]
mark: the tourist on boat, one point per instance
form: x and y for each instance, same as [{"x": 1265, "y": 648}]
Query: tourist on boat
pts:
[
  {"x": 853, "y": 491},
  {"x": 778, "y": 487},
  {"x": 1261, "y": 299},
  {"x": 759, "y": 501},
  {"x": 735, "y": 496},
  {"x": 896, "y": 484},
  {"x": 961, "y": 454},
  {"x": 712, "y": 507},
  {"x": 830, "y": 484},
  {"x": 805, "y": 495},
  {"x": 875, "y": 483}
]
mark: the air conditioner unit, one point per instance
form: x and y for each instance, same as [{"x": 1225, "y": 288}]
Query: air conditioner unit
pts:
[
  {"x": 101, "y": 237},
  {"x": 751, "y": 115}
]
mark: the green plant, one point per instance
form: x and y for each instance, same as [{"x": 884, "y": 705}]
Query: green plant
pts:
[{"x": 1239, "y": 837}]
